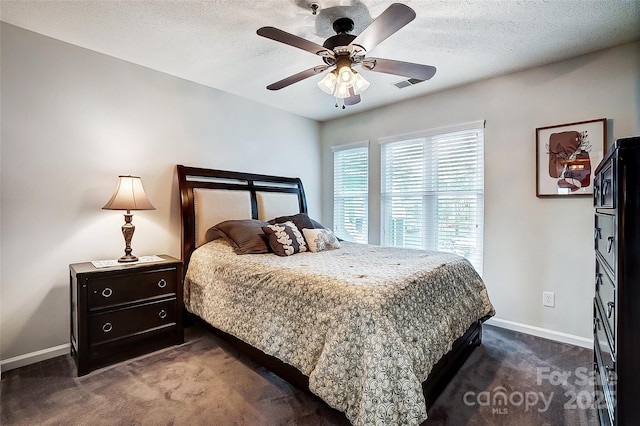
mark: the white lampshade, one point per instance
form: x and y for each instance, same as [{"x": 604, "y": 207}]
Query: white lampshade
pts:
[
  {"x": 328, "y": 83},
  {"x": 342, "y": 90},
  {"x": 129, "y": 195},
  {"x": 360, "y": 84},
  {"x": 346, "y": 75}
]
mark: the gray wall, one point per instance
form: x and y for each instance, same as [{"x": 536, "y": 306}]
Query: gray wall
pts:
[
  {"x": 531, "y": 245},
  {"x": 72, "y": 121}
]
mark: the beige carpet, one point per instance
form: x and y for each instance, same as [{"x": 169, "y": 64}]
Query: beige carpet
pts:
[{"x": 204, "y": 382}]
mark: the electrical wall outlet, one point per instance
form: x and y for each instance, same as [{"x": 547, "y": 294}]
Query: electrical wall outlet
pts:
[{"x": 548, "y": 299}]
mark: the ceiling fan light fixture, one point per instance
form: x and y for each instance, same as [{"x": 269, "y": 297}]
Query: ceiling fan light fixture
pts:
[
  {"x": 328, "y": 83},
  {"x": 343, "y": 83},
  {"x": 344, "y": 51}
]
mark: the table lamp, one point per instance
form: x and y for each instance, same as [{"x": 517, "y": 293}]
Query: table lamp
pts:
[{"x": 129, "y": 195}]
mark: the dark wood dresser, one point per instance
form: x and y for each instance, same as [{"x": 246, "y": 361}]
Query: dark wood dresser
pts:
[
  {"x": 616, "y": 307},
  {"x": 124, "y": 311}
]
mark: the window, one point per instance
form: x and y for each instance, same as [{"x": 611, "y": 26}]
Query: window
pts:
[
  {"x": 432, "y": 191},
  {"x": 350, "y": 192}
]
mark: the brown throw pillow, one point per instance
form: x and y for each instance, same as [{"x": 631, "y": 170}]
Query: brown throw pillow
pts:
[
  {"x": 244, "y": 235},
  {"x": 301, "y": 221},
  {"x": 285, "y": 239}
]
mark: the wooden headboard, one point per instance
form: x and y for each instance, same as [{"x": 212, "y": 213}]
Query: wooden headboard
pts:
[{"x": 208, "y": 197}]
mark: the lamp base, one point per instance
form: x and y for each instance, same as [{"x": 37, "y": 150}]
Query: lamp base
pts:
[
  {"x": 128, "y": 258},
  {"x": 127, "y": 231}
]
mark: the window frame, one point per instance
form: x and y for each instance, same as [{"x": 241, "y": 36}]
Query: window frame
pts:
[
  {"x": 429, "y": 194},
  {"x": 338, "y": 225}
]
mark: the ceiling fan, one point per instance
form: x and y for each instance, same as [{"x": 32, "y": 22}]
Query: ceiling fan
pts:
[{"x": 345, "y": 51}]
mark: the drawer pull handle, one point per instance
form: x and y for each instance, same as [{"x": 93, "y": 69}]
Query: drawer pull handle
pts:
[
  {"x": 605, "y": 187},
  {"x": 162, "y": 314},
  {"x": 609, "y": 244},
  {"x": 162, "y": 283},
  {"x": 610, "y": 306},
  {"x": 107, "y": 327},
  {"x": 598, "y": 281},
  {"x": 107, "y": 292}
]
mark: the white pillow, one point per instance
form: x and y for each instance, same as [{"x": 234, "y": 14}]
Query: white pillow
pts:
[{"x": 320, "y": 239}]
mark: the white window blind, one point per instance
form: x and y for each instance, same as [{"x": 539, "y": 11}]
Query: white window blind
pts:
[
  {"x": 432, "y": 192},
  {"x": 350, "y": 193}
]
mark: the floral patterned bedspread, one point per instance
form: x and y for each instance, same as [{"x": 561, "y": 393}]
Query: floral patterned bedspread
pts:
[{"x": 365, "y": 323}]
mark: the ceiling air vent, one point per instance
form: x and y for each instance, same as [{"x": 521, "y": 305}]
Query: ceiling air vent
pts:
[{"x": 406, "y": 83}]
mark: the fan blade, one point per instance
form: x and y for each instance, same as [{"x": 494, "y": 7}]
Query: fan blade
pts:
[
  {"x": 297, "y": 77},
  {"x": 391, "y": 20},
  {"x": 352, "y": 100},
  {"x": 294, "y": 40},
  {"x": 407, "y": 69}
]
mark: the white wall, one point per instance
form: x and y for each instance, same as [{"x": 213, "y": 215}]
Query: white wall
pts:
[
  {"x": 72, "y": 121},
  {"x": 531, "y": 245}
]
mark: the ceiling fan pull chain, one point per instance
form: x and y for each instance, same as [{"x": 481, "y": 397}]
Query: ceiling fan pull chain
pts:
[{"x": 343, "y": 106}]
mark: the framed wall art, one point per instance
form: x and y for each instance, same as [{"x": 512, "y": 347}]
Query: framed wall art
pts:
[{"x": 567, "y": 155}]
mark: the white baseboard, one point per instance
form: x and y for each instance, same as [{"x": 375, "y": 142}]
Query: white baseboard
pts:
[
  {"x": 33, "y": 357},
  {"x": 542, "y": 332}
]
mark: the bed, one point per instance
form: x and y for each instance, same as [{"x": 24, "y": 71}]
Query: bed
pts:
[{"x": 375, "y": 332}]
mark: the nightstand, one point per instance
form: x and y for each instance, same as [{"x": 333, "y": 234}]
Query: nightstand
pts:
[{"x": 124, "y": 311}]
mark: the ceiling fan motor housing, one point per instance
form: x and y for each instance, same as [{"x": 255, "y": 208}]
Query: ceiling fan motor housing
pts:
[
  {"x": 342, "y": 27},
  {"x": 338, "y": 44},
  {"x": 338, "y": 40}
]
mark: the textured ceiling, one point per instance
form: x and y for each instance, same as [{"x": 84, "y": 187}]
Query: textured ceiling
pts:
[{"x": 215, "y": 43}]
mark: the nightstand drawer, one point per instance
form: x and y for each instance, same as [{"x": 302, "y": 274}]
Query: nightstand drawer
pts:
[
  {"x": 127, "y": 288},
  {"x": 125, "y": 322}
]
